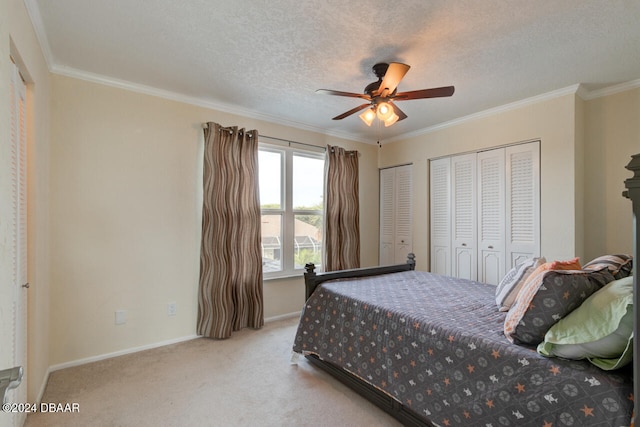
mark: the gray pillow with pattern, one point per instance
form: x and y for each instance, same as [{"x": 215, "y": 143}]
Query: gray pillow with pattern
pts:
[{"x": 547, "y": 298}]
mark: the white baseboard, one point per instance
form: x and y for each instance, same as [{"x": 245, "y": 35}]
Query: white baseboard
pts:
[
  {"x": 43, "y": 386},
  {"x": 99, "y": 357},
  {"x": 282, "y": 317},
  {"x": 79, "y": 362}
]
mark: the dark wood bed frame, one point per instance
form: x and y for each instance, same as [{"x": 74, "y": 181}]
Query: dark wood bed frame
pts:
[
  {"x": 633, "y": 192},
  {"x": 390, "y": 405},
  {"x": 376, "y": 396}
]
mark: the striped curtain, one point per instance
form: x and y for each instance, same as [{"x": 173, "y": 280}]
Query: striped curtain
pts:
[
  {"x": 342, "y": 217},
  {"x": 230, "y": 291}
]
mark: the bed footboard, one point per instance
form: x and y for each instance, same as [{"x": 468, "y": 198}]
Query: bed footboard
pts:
[
  {"x": 313, "y": 279},
  {"x": 382, "y": 400}
]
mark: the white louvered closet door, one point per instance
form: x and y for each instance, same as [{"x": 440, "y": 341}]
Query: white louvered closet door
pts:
[
  {"x": 404, "y": 213},
  {"x": 522, "y": 202},
  {"x": 387, "y": 209},
  {"x": 485, "y": 211},
  {"x": 463, "y": 221},
  {"x": 19, "y": 183},
  {"x": 491, "y": 216},
  {"x": 396, "y": 206},
  {"x": 440, "y": 215}
]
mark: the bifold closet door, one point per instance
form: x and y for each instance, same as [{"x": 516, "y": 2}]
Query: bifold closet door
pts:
[
  {"x": 440, "y": 215},
  {"x": 491, "y": 216},
  {"x": 463, "y": 222},
  {"x": 522, "y": 202},
  {"x": 485, "y": 211},
  {"x": 387, "y": 211},
  {"x": 396, "y": 236},
  {"x": 404, "y": 213}
]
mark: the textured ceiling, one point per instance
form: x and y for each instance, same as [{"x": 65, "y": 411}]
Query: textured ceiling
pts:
[{"x": 265, "y": 59}]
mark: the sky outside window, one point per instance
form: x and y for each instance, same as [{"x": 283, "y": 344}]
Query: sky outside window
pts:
[{"x": 308, "y": 182}]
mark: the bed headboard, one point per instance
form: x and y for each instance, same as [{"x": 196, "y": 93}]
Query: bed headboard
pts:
[{"x": 633, "y": 192}]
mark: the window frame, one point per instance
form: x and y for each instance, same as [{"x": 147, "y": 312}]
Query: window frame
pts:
[{"x": 286, "y": 210}]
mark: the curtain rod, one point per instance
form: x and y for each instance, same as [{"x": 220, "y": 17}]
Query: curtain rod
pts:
[{"x": 205, "y": 125}]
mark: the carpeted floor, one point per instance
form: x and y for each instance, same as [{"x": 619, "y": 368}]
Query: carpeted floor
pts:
[{"x": 247, "y": 380}]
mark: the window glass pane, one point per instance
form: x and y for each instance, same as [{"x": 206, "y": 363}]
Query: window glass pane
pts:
[
  {"x": 308, "y": 240},
  {"x": 270, "y": 172},
  {"x": 308, "y": 182},
  {"x": 271, "y": 243}
]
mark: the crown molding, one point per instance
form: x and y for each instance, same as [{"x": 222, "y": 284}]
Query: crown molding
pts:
[
  {"x": 36, "y": 21},
  {"x": 38, "y": 26},
  {"x": 577, "y": 89},
  {"x": 610, "y": 90},
  {"x": 198, "y": 102},
  {"x": 492, "y": 111}
]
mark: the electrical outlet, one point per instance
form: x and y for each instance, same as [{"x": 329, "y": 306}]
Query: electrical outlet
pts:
[
  {"x": 121, "y": 317},
  {"x": 172, "y": 309}
]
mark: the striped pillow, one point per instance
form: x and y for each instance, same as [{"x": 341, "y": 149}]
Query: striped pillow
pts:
[
  {"x": 511, "y": 283},
  {"x": 619, "y": 265},
  {"x": 547, "y": 297}
]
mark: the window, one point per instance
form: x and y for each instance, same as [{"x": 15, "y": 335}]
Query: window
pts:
[{"x": 291, "y": 200}]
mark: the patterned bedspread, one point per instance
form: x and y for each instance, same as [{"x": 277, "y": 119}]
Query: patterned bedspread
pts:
[{"x": 435, "y": 343}]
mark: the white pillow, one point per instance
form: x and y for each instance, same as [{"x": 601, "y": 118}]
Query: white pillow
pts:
[{"x": 510, "y": 285}]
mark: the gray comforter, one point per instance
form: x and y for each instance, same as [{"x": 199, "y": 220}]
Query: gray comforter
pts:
[{"x": 435, "y": 344}]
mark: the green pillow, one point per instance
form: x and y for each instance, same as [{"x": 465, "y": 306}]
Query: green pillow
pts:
[{"x": 600, "y": 329}]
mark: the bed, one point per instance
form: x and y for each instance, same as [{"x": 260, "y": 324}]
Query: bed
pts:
[{"x": 434, "y": 350}]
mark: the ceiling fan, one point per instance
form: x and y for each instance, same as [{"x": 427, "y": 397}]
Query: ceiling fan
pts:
[{"x": 382, "y": 94}]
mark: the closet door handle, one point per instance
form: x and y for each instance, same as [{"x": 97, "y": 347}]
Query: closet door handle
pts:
[
  {"x": 464, "y": 244},
  {"x": 490, "y": 247}
]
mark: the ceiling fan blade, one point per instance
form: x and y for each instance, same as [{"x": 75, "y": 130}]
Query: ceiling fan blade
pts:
[
  {"x": 350, "y": 112},
  {"x": 392, "y": 77},
  {"x": 425, "y": 93},
  {"x": 340, "y": 93},
  {"x": 401, "y": 115}
]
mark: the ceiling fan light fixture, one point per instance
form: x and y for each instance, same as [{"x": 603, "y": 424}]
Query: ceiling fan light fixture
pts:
[
  {"x": 383, "y": 94},
  {"x": 384, "y": 111},
  {"x": 391, "y": 120},
  {"x": 368, "y": 116}
]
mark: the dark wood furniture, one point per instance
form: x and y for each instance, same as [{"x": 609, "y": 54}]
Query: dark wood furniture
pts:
[
  {"x": 391, "y": 405},
  {"x": 382, "y": 400},
  {"x": 633, "y": 192}
]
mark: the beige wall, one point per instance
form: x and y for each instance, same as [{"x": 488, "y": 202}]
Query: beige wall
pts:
[
  {"x": 612, "y": 135},
  {"x": 121, "y": 227},
  {"x": 18, "y": 40},
  {"x": 584, "y": 148},
  {"x": 550, "y": 120},
  {"x": 126, "y": 174}
]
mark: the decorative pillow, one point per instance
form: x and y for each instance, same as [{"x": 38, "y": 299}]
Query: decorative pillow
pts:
[
  {"x": 512, "y": 282},
  {"x": 547, "y": 297},
  {"x": 619, "y": 265},
  {"x": 571, "y": 264},
  {"x": 600, "y": 330}
]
